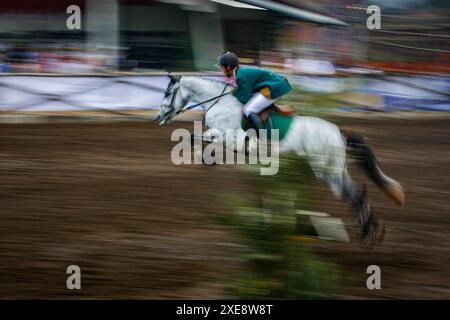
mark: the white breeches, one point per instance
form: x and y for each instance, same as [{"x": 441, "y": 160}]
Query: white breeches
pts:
[{"x": 257, "y": 104}]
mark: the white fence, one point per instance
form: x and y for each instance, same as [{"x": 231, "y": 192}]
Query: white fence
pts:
[
  {"x": 75, "y": 93},
  {"x": 36, "y": 92}
]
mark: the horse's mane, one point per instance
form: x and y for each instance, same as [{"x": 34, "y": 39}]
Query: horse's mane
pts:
[
  {"x": 209, "y": 79},
  {"x": 202, "y": 83}
]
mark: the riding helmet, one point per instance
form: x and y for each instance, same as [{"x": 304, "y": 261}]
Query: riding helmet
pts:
[{"x": 228, "y": 59}]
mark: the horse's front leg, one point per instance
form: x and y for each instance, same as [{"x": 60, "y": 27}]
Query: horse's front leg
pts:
[
  {"x": 213, "y": 135},
  {"x": 206, "y": 146},
  {"x": 214, "y": 146}
]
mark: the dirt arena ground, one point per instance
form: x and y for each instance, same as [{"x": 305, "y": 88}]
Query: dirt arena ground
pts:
[{"x": 106, "y": 197}]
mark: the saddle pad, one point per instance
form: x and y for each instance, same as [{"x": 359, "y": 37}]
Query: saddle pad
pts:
[{"x": 275, "y": 121}]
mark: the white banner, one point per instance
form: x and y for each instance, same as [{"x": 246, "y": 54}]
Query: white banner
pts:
[{"x": 70, "y": 93}]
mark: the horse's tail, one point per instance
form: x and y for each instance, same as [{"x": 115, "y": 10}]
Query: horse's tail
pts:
[{"x": 367, "y": 160}]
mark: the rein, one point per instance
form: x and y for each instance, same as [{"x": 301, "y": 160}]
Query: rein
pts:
[{"x": 208, "y": 100}]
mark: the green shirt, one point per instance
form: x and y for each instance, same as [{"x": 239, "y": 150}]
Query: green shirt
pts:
[{"x": 251, "y": 79}]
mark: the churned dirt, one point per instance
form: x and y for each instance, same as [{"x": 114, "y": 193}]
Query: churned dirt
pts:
[{"x": 106, "y": 197}]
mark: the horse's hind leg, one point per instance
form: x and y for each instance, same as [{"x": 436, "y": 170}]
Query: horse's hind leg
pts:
[
  {"x": 357, "y": 196},
  {"x": 346, "y": 189},
  {"x": 372, "y": 227},
  {"x": 366, "y": 159}
]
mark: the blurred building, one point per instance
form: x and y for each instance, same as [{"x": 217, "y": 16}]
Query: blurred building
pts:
[
  {"x": 150, "y": 34},
  {"x": 414, "y": 35},
  {"x": 190, "y": 34}
]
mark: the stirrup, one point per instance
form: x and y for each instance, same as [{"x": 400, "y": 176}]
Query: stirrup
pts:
[{"x": 255, "y": 122}]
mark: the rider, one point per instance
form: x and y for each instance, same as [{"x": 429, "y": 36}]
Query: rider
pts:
[{"x": 256, "y": 89}]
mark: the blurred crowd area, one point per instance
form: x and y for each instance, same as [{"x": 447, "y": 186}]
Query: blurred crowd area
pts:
[
  {"x": 60, "y": 58},
  {"x": 148, "y": 35}
]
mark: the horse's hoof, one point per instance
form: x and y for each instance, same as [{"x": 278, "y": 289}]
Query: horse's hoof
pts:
[{"x": 373, "y": 232}]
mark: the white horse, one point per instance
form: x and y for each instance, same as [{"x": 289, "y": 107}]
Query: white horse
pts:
[{"x": 322, "y": 142}]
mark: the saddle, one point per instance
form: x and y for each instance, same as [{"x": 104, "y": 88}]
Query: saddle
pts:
[
  {"x": 274, "y": 117},
  {"x": 282, "y": 110}
]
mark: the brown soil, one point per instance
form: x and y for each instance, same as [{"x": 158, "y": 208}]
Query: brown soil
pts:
[{"x": 107, "y": 197}]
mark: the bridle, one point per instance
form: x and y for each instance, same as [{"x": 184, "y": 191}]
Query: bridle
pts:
[
  {"x": 171, "y": 84},
  {"x": 172, "y": 108}
]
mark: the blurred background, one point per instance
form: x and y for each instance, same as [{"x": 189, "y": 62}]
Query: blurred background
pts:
[
  {"x": 188, "y": 35},
  {"x": 86, "y": 177},
  {"x": 323, "y": 47}
]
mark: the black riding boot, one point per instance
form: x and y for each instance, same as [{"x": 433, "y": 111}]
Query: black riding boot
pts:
[{"x": 255, "y": 122}]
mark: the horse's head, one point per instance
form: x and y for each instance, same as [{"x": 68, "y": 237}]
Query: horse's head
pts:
[{"x": 173, "y": 101}]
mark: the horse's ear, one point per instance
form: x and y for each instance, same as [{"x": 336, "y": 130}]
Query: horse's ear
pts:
[{"x": 174, "y": 78}]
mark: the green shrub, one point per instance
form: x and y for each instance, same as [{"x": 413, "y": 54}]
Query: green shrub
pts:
[{"x": 265, "y": 221}]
